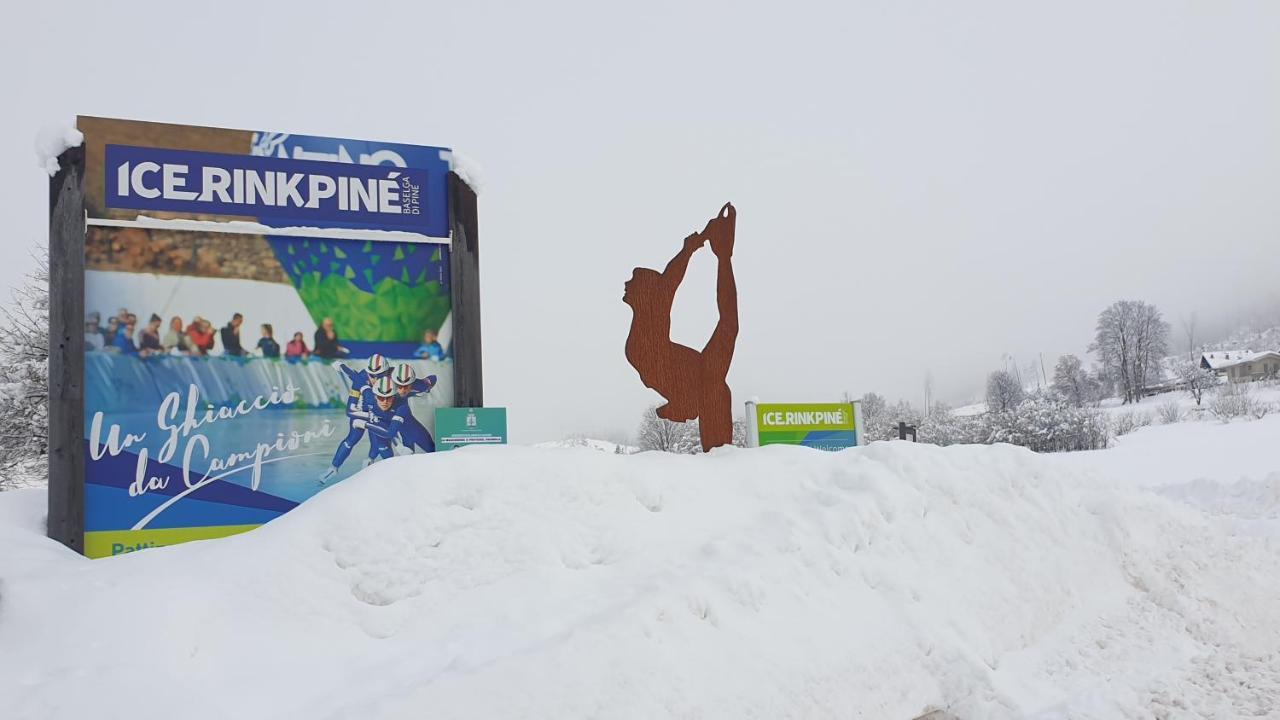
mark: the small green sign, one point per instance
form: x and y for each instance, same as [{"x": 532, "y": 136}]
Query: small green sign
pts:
[
  {"x": 456, "y": 427},
  {"x": 826, "y": 426}
]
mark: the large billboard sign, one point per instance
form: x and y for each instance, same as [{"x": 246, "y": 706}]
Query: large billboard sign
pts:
[
  {"x": 824, "y": 426},
  {"x": 262, "y": 315}
]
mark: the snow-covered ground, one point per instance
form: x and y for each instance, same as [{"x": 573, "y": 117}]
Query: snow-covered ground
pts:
[
  {"x": 1225, "y": 453},
  {"x": 970, "y": 410},
  {"x": 591, "y": 444},
  {"x": 1149, "y": 408},
  {"x": 1264, "y": 392},
  {"x": 508, "y": 582},
  {"x": 1230, "y": 471}
]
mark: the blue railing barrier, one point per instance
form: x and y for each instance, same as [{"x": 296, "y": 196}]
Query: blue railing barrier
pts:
[{"x": 127, "y": 383}]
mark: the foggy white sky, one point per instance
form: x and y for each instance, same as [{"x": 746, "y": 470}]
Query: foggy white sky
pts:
[{"x": 920, "y": 186}]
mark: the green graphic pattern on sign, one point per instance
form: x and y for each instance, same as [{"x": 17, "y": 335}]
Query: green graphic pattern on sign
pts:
[{"x": 374, "y": 292}]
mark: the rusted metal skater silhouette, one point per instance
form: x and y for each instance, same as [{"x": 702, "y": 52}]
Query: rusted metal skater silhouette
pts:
[{"x": 692, "y": 382}]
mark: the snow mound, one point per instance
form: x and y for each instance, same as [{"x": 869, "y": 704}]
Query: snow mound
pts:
[
  {"x": 510, "y": 582},
  {"x": 1248, "y": 498}
]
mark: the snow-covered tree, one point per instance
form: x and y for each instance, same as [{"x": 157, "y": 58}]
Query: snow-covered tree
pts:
[
  {"x": 1170, "y": 412},
  {"x": 1196, "y": 379},
  {"x": 1073, "y": 382},
  {"x": 876, "y": 424},
  {"x": 739, "y": 432},
  {"x": 1004, "y": 392},
  {"x": 24, "y": 376},
  {"x": 942, "y": 427},
  {"x": 1045, "y": 422},
  {"x": 1123, "y": 423},
  {"x": 658, "y": 434},
  {"x": 1130, "y": 339}
]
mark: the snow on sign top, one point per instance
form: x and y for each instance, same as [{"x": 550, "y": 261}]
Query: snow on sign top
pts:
[
  {"x": 51, "y": 141},
  {"x": 279, "y": 180}
]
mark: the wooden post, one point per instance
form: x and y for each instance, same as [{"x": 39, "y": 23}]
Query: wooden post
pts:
[
  {"x": 904, "y": 430},
  {"x": 464, "y": 279},
  {"x": 66, "y": 351}
]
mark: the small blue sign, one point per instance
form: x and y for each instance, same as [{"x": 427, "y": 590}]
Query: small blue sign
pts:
[{"x": 280, "y": 191}]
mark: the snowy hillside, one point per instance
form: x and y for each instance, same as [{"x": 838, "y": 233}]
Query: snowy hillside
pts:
[
  {"x": 508, "y": 582},
  {"x": 607, "y": 446}
]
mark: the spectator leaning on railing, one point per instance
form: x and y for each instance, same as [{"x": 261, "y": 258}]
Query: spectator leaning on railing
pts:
[
  {"x": 327, "y": 343},
  {"x": 201, "y": 334},
  {"x": 124, "y": 340},
  {"x": 231, "y": 336},
  {"x": 430, "y": 347},
  {"x": 267, "y": 344},
  {"x": 176, "y": 340},
  {"x": 120, "y": 335},
  {"x": 92, "y": 333},
  {"x": 297, "y": 349},
  {"x": 149, "y": 338}
]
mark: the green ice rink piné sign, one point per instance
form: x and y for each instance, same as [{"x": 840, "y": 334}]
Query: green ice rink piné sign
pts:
[{"x": 825, "y": 426}]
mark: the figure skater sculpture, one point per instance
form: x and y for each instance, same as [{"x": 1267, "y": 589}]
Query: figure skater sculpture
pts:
[{"x": 692, "y": 382}]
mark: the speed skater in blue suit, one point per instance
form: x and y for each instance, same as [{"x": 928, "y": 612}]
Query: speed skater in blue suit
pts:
[
  {"x": 413, "y": 433},
  {"x": 358, "y": 408}
]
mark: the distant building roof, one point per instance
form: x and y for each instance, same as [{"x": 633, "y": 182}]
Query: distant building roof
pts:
[{"x": 1222, "y": 359}]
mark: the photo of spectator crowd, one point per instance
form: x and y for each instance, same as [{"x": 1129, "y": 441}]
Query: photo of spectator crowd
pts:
[{"x": 121, "y": 334}]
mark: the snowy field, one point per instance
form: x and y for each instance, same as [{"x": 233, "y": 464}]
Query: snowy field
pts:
[
  {"x": 881, "y": 582},
  {"x": 1265, "y": 392},
  {"x": 607, "y": 446}
]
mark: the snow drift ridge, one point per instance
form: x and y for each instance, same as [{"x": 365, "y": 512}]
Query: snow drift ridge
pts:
[{"x": 879, "y": 582}]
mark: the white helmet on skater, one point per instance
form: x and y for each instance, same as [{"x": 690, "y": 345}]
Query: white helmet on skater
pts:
[
  {"x": 378, "y": 365},
  {"x": 404, "y": 374},
  {"x": 383, "y": 387}
]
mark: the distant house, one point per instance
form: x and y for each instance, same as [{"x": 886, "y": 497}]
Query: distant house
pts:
[{"x": 1242, "y": 365}]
